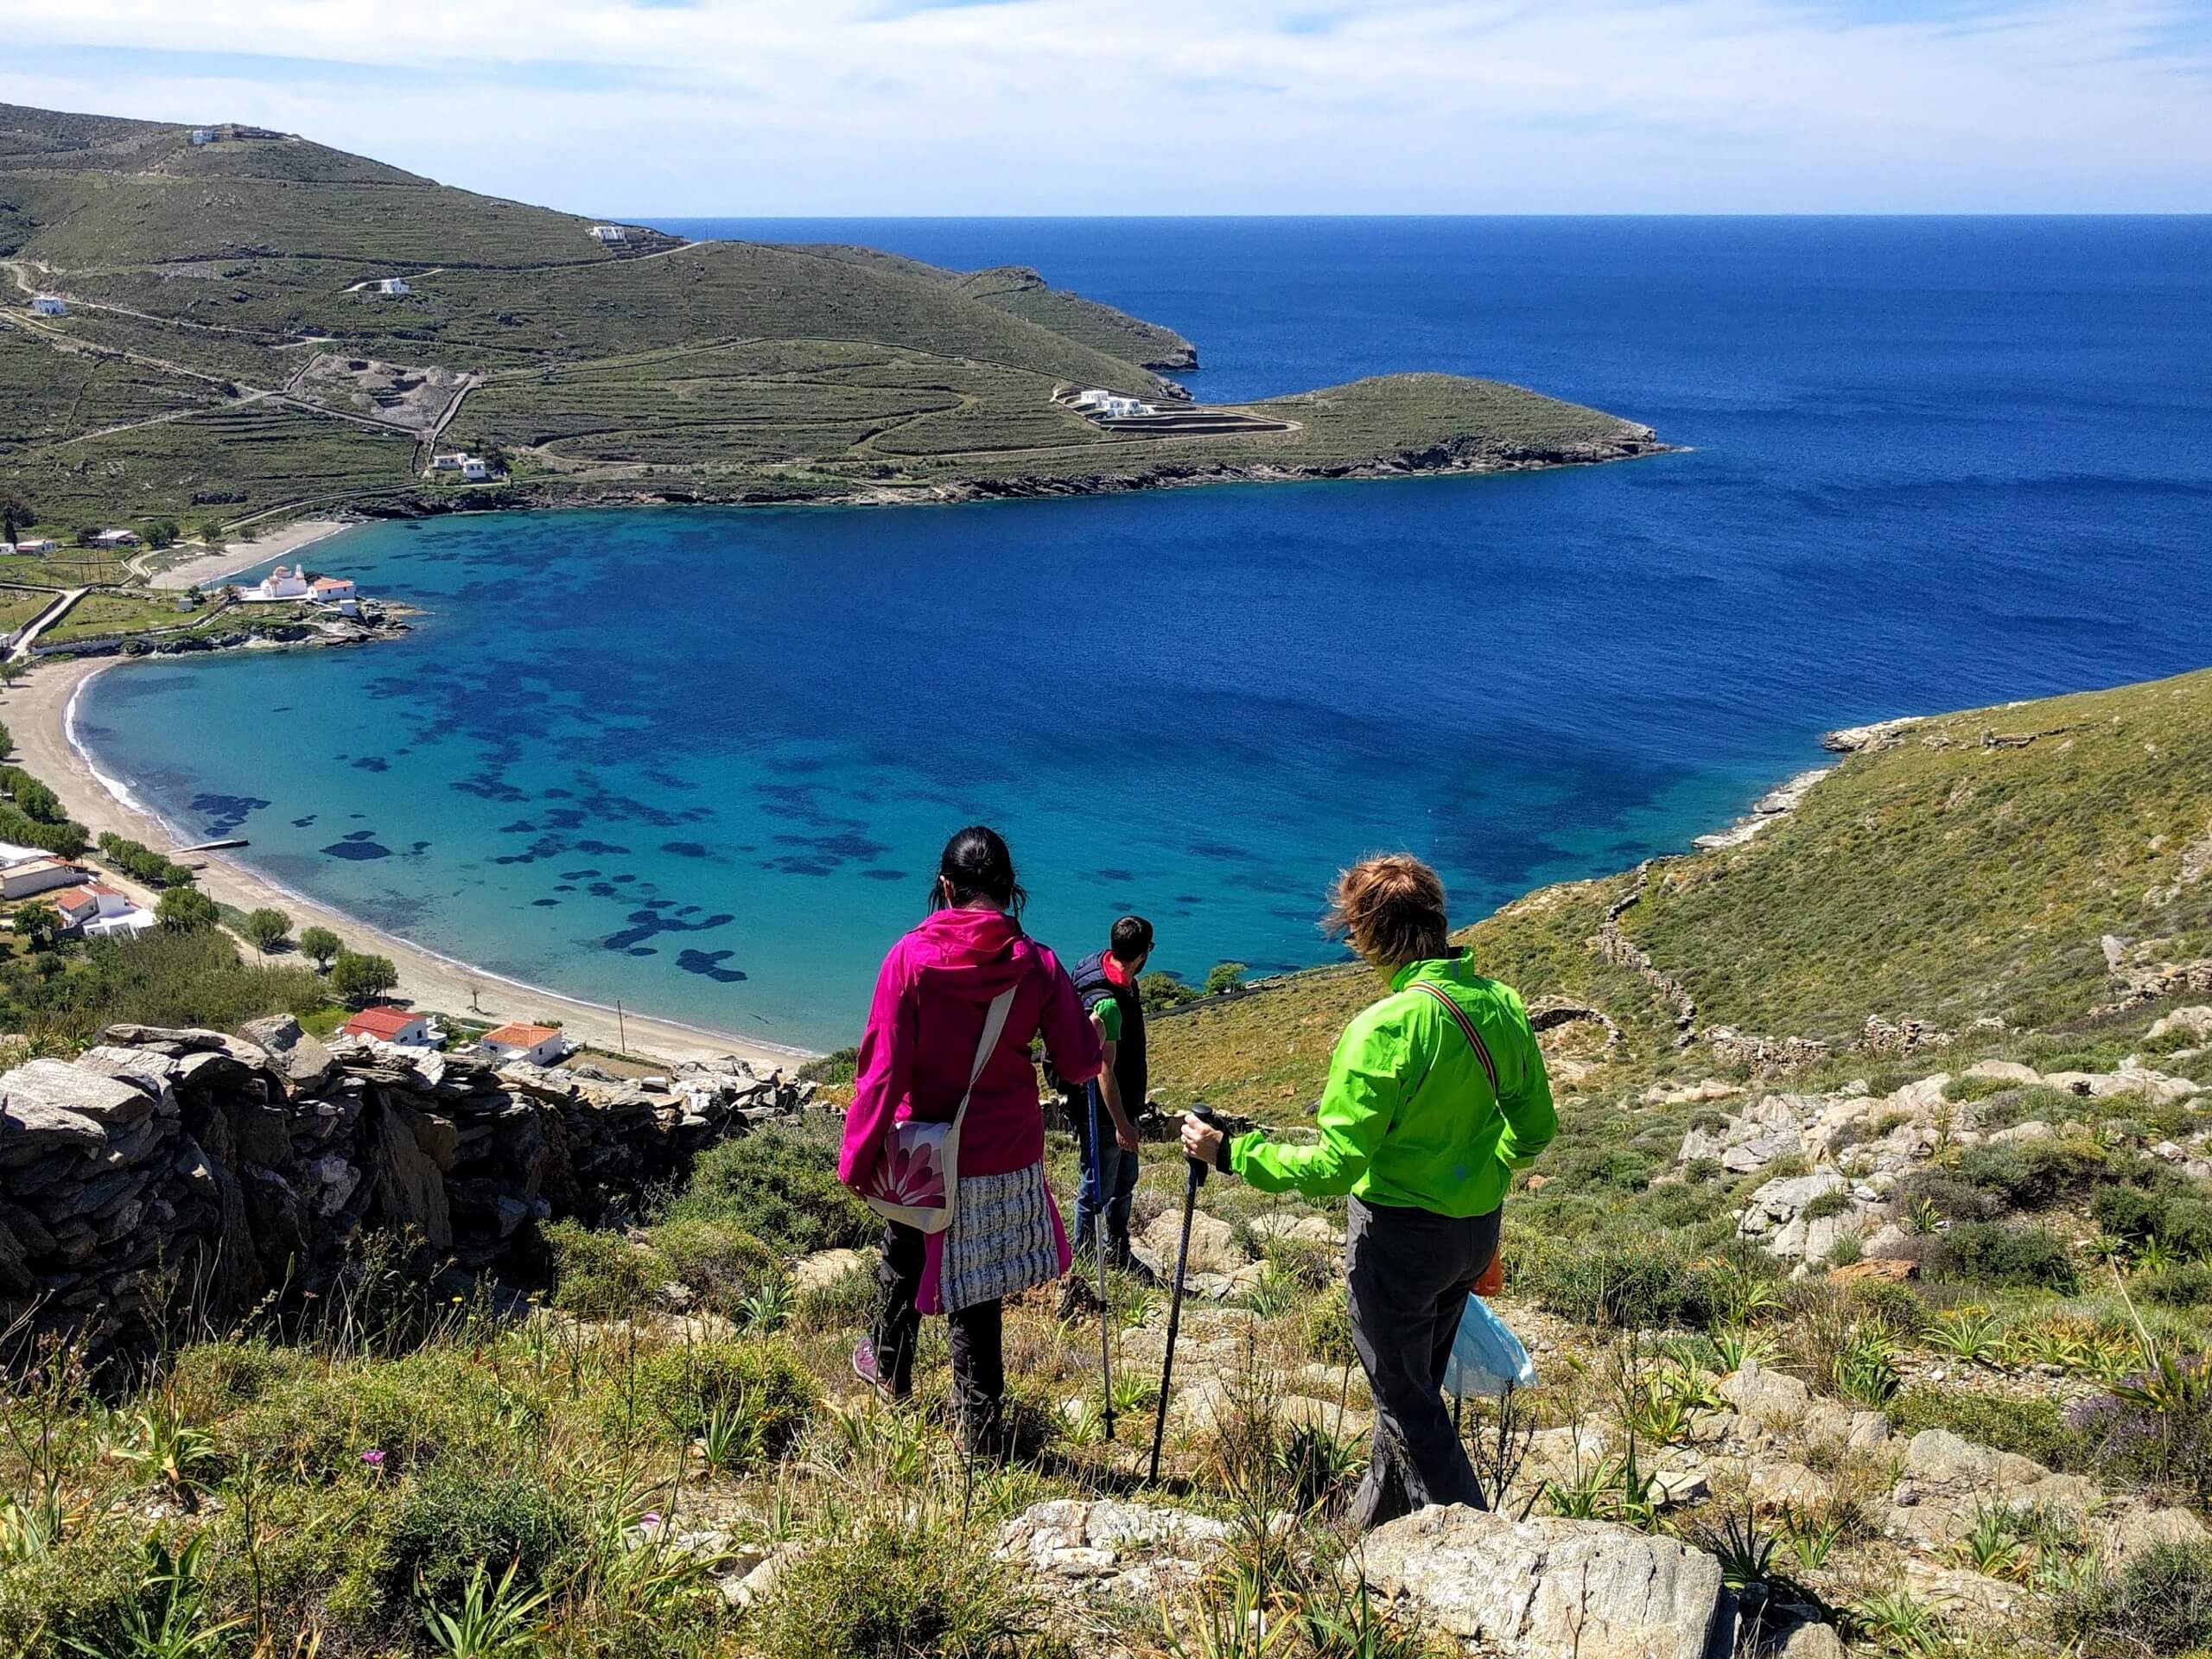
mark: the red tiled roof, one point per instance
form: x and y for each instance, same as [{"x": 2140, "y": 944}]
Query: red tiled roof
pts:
[
  {"x": 386, "y": 1023},
  {"x": 70, "y": 898},
  {"x": 520, "y": 1036}
]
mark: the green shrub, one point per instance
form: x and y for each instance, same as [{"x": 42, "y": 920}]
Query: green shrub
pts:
[
  {"x": 720, "y": 1265},
  {"x": 780, "y": 1185},
  {"x": 1609, "y": 1169},
  {"x": 2034, "y": 1176},
  {"x": 79, "y": 1591},
  {"x": 1632, "y": 1280},
  {"x": 846, "y": 1303},
  {"x": 836, "y": 1069},
  {"x": 2030, "y": 1428},
  {"x": 2158, "y": 1602},
  {"x": 678, "y": 1391},
  {"x": 891, "y": 1590},
  {"x": 1994, "y": 1252},
  {"x": 1970, "y": 1088},
  {"x": 1325, "y": 1329},
  {"x": 2186, "y": 1284},
  {"x": 1826, "y": 1205},
  {"x": 218, "y": 1376},
  {"x": 316, "y": 1424},
  {"x": 454, "y": 1519},
  {"x": 600, "y": 1275}
]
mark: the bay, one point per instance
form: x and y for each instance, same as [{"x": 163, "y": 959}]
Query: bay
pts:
[{"x": 701, "y": 760}]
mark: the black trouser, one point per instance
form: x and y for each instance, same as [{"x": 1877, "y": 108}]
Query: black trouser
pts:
[
  {"x": 1408, "y": 1273},
  {"x": 978, "y": 1362}
]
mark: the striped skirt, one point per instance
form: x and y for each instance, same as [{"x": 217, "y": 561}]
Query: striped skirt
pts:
[{"x": 1006, "y": 1237}]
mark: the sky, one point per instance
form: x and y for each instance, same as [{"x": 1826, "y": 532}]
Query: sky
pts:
[{"x": 667, "y": 108}]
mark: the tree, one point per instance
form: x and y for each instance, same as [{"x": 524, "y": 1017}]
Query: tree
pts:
[
  {"x": 268, "y": 928},
  {"x": 38, "y": 922},
  {"x": 357, "y": 977},
  {"x": 1226, "y": 976},
  {"x": 160, "y": 532},
  {"x": 16, "y": 514},
  {"x": 321, "y": 945},
  {"x": 186, "y": 909},
  {"x": 1161, "y": 990}
]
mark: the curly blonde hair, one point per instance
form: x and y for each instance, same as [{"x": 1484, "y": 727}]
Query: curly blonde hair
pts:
[{"x": 1390, "y": 907}]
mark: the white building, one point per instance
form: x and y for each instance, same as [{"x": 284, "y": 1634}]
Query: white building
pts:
[
  {"x": 280, "y": 584},
  {"x": 202, "y": 137},
  {"x": 473, "y": 468},
  {"x": 98, "y": 911},
  {"x": 331, "y": 589},
  {"x": 28, "y": 871},
  {"x": 395, "y": 287},
  {"x": 50, "y": 305},
  {"x": 401, "y": 1026},
  {"x": 451, "y": 463},
  {"x": 610, "y": 234},
  {"x": 115, "y": 538},
  {"x": 539, "y": 1045}
]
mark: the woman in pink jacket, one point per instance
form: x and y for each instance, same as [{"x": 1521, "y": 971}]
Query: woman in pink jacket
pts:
[{"x": 931, "y": 998}]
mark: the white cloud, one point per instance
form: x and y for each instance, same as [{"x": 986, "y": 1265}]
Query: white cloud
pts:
[{"x": 1069, "y": 107}]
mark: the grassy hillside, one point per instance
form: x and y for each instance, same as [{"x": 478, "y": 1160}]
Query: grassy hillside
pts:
[
  {"x": 1956, "y": 873},
  {"x": 212, "y": 276}
]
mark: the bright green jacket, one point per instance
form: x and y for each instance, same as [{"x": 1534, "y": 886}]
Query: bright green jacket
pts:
[{"x": 1411, "y": 1117}]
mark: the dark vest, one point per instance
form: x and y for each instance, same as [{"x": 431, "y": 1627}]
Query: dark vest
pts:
[{"x": 1129, "y": 1068}]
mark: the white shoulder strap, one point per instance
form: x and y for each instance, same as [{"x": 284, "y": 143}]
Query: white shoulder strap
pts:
[{"x": 986, "y": 1045}]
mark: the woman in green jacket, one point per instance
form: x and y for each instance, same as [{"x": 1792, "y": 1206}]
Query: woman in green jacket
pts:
[{"x": 1436, "y": 1094}]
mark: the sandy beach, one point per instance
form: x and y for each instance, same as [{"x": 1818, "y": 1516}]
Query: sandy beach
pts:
[
  {"x": 36, "y": 711},
  {"x": 236, "y": 558}
]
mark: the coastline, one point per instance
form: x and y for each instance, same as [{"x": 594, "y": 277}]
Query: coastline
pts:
[
  {"x": 235, "y": 559},
  {"x": 39, "y": 714}
]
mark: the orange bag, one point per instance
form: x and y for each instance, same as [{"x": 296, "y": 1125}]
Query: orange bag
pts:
[{"x": 1492, "y": 1280}]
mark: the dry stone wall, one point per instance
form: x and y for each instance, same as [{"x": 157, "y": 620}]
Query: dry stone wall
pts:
[{"x": 163, "y": 1167}]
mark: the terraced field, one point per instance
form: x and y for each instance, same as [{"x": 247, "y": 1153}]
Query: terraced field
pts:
[{"x": 204, "y": 282}]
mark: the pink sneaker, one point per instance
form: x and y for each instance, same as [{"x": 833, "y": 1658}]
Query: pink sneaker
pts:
[{"x": 864, "y": 1367}]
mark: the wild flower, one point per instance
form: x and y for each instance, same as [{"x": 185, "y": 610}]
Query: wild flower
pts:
[{"x": 373, "y": 1458}]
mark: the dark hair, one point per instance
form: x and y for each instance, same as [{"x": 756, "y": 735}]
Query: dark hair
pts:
[
  {"x": 976, "y": 865},
  {"x": 1132, "y": 937}
]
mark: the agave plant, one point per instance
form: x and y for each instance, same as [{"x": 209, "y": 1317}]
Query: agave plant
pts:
[
  {"x": 1813, "y": 1531},
  {"x": 1745, "y": 1552},
  {"x": 1993, "y": 1544},
  {"x": 169, "y": 1619},
  {"x": 165, "y": 1445},
  {"x": 1971, "y": 1332},
  {"x": 494, "y": 1619},
  {"x": 1898, "y": 1623}
]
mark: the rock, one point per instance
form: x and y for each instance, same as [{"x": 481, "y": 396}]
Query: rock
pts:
[
  {"x": 1691, "y": 1094},
  {"x": 1811, "y": 1640},
  {"x": 1893, "y": 1269},
  {"x": 1776, "y": 1481},
  {"x": 1213, "y": 1241},
  {"x": 305, "y": 1063},
  {"x": 2006, "y": 1072},
  {"x": 1108, "y": 1545},
  {"x": 825, "y": 1268},
  {"x": 1673, "y": 1488},
  {"x": 1303, "y": 1230},
  {"x": 1773, "y": 1398},
  {"x": 409, "y": 1186},
  {"x": 2023, "y": 1134},
  {"x": 1767, "y": 1131},
  {"x": 110, "y": 1103},
  {"x": 1545, "y": 1586},
  {"x": 2196, "y": 1021},
  {"x": 1938, "y": 1459},
  {"x": 2140, "y": 1526}
]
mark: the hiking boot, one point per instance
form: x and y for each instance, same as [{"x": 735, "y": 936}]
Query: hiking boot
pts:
[
  {"x": 1126, "y": 1260},
  {"x": 865, "y": 1368}
]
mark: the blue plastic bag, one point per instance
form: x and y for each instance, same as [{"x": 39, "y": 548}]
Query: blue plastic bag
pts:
[{"x": 1486, "y": 1357}]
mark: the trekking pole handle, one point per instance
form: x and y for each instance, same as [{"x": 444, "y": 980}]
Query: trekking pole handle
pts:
[{"x": 1206, "y": 1115}]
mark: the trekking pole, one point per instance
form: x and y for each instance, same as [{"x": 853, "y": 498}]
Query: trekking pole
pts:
[
  {"x": 1197, "y": 1179},
  {"x": 1096, "y": 1176}
]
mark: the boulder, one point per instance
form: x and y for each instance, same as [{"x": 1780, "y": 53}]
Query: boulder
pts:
[
  {"x": 825, "y": 1268},
  {"x": 305, "y": 1062},
  {"x": 1894, "y": 1268},
  {"x": 2006, "y": 1072},
  {"x": 1302, "y": 1229},
  {"x": 1811, "y": 1640},
  {"x": 1548, "y": 1586},
  {"x": 1771, "y": 1397},
  {"x": 1111, "y": 1546},
  {"x": 410, "y": 1187},
  {"x": 81, "y": 1092},
  {"x": 1213, "y": 1243},
  {"x": 2195, "y": 1022}
]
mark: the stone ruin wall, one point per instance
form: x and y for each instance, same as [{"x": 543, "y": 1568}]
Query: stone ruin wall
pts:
[{"x": 170, "y": 1167}]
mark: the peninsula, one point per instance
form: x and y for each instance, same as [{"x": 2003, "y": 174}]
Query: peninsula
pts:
[{"x": 229, "y": 327}]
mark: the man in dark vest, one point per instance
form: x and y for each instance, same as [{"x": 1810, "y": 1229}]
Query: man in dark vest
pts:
[{"x": 1104, "y": 1112}]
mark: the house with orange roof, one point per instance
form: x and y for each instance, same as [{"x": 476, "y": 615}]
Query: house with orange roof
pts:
[
  {"x": 389, "y": 1024},
  {"x": 539, "y": 1045},
  {"x": 98, "y": 911}
]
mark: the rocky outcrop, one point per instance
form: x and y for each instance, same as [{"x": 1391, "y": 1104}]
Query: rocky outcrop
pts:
[
  {"x": 1536, "y": 1588},
  {"x": 193, "y": 1167},
  {"x": 1109, "y": 1548}
]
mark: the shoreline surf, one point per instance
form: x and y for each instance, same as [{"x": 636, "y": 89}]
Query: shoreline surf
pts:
[{"x": 43, "y": 719}]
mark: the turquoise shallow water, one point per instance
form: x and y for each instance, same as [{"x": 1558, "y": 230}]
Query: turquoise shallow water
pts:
[{"x": 701, "y": 760}]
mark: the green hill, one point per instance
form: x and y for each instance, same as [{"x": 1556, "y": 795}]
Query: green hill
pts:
[
  {"x": 1964, "y": 871},
  {"x": 226, "y": 336}
]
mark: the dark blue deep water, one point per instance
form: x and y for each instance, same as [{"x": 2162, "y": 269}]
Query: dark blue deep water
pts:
[{"x": 702, "y": 761}]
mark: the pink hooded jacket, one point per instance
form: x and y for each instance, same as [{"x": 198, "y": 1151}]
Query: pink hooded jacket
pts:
[{"x": 931, "y": 998}]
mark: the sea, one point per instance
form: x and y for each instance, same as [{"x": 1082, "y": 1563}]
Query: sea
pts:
[{"x": 702, "y": 761}]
